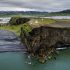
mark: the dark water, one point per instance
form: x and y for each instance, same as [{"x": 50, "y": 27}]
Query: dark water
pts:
[{"x": 21, "y": 61}]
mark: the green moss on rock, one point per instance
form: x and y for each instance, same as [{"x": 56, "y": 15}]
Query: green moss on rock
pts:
[{"x": 27, "y": 28}]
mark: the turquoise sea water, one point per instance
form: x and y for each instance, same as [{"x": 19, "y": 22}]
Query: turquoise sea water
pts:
[{"x": 21, "y": 61}]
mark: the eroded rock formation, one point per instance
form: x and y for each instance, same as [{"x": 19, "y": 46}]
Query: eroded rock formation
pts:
[{"x": 44, "y": 40}]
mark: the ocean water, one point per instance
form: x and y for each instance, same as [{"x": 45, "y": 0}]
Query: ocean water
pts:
[
  {"x": 4, "y": 19},
  {"x": 59, "y": 17},
  {"x": 21, "y": 61}
]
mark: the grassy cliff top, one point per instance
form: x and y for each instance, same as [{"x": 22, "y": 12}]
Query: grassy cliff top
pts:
[
  {"x": 37, "y": 22},
  {"x": 34, "y": 23},
  {"x": 61, "y": 23}
]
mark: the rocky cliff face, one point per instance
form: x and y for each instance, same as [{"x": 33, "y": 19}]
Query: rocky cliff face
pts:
[{"x": 43, "y": 41}]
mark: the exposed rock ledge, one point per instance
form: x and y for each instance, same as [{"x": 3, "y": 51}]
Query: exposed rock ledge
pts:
[{"x": 44, "y": 40}]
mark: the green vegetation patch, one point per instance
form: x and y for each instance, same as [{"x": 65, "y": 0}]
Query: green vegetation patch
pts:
[
  {"x": 41, "y": 22},
  {"x": 65, "y": 20},
  {"x": 13, "y": 28},
  {"x": 27, "y": 28},
  {"x": 13, "y": 20},
  {"x": 17, "y": 28},
  {"x": 17, "y": 20}
]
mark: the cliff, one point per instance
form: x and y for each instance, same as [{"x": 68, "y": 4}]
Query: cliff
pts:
[{"x": 42, "y": 41}]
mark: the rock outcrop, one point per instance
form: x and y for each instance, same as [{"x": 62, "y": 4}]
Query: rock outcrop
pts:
[
  {"x": 18, "y": 20},
  {"x": 43, "y": 41}
]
